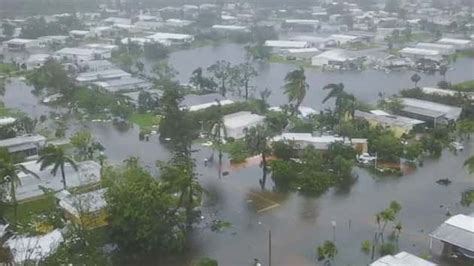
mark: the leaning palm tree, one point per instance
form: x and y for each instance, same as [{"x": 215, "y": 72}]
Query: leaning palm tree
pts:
[
  {"x": 56, "y": 157},
  {"x": 9, "y": 174},
  {"x": 469, "y": 163},
  {"x": 296, "y": 87},
  {"x": 344, "y": 102},
  {"x": 256, "y": 139}
]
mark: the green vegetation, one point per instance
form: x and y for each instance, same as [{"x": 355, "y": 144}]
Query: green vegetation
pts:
[
  {"x": 466, "y": 53},
  {"x": 366, "y": 246},
  {"x": 37, "y": 27},
  {"x": 57, "y": 158},
  {"x": 467, "y": 198},
  {"x": 145, "y": 121},
  {"x": 314, "y": 172},
  {"x": 295, "y": 87},
  {"x": 207, "y": 262},
  {"x": 467, "y": 86},
  {"x": 6, "y": 69},
  {"x": 237, "y": 151},
  {"x": 284, "y": 60},
  {"x": 29, "y": 210},
  {"x": 326, "y": 252}
]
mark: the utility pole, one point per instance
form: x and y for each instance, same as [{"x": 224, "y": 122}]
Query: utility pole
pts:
[{"x": 269, "y": 247}]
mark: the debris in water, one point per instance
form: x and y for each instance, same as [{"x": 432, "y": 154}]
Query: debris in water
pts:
[{"x": 444, "y": 181}]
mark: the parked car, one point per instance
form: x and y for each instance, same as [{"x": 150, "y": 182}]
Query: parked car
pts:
[
  {"x": 365, "y": 158},
  {"x": 456, "y": 146}
]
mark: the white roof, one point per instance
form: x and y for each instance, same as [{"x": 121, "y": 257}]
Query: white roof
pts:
[
  {"x": 450, "y": 112},
  {"x": 38, "y": 58},
  {"x": 79, "y": 32},
  {"x": 401, "y": 259},
  {"x": 124, "y": 83},
  {"x": 76, "y": 51},
  {"x": 229, "y": 27},
  {"x": 88, "y": 173},
  {"x": 388, "y": 119},
  {"x": 20, "y": 140},
  {"x": 228, "y": 17},
  {"x": 304, "y": 110},
  {"x": 458, "y": 230},
  {"x": 302, "y": 21},
  {"x": 462, "y": 221},
  {"x": 286, "y": 44},
  {"x": 454, "y": 41},
  {"x": 207, "y": 105},
  {"x": 305, "y": 139},
  {"x": 338, "y": 55},
  {"x": 178, "y": 22},
  {"x": 116, "y": 20},
  {"x": 419, "y": 51},
  {"x": 138, "y": 40},
  {"x": 429, "y": 90},
  {"x": 7, "y": 120},
  {"x": 241, "y": 119},
  {"x": 435, "y": 45},
  {"x": 169, "y": 36},
  {"x": 33, "y": 248},
  {"x": 113, "y": 73},
  {"x": 19, "y": 41},
  {"x": 302, "y": 50},
  {"x": 83, "y": 203},
  {"x": 343, "y": 37},
  {"x": 101, "y": 46},
  {"x": 308, "y": 38},
  {"x": 379, "y": 112}
]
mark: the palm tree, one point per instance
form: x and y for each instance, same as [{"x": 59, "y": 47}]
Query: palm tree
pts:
[
  {"x": 56, "y": 157},
  {"x": 345, "y": 102},
  {"x": 469, "y": 163},
  {"x": 9, "y": 174},
  {"x": 415, "y": 79},
  {"x": 218, "y": 132},
  {"x": 296, "y": 87},
  {"x": 256, "y": 139}
]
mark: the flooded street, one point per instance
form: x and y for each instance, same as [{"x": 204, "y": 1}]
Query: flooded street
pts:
[{"x": 298, "y": 223}]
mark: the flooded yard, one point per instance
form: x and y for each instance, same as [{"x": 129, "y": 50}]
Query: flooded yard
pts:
[{"x": 298, "y": 223}]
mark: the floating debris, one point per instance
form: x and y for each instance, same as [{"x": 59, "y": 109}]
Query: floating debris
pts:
[{"x": 444, "y": 182}]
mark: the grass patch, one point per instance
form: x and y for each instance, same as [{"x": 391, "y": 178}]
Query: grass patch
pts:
[
  {"x": 28, "y": 210},
  {"x": 466, "y": 53},
  {"x": 7, "y": 69},
  {"x": 464, "y": 86},
  {"x": 282, "y": 60},
  {"x": 145, "y": 121},
  {"x": 4, "y": 111}
]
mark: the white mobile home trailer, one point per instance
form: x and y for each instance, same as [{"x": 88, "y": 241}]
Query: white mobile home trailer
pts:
[
  {"x": 459, "y": 44},
  {"x": 443, "y": 49},
  {"x": 417, "y": 53},
  {"x": 286, "y": 44},
  {"x": 174, "y": 38},
  {"x": 17, "y": 44}
]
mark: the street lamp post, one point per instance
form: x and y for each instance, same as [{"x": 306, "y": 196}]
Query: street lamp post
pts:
[
  {"x": 270, "y": 247},
  {"x": 269, "y": 243}
]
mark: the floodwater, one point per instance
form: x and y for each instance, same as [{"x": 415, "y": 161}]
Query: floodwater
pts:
[
  {"x": 364, "y": 85},
  {"x": 298, "y": 223}
]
